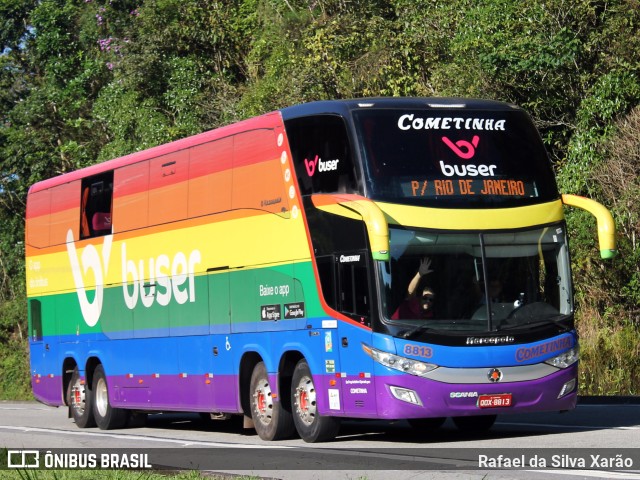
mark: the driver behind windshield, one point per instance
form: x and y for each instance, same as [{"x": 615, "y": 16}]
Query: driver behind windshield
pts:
[{"x": 419, "y": 302}]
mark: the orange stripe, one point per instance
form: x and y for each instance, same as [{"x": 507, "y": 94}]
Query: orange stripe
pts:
[
  {"x": 193, "y": 222},
  {"x": 130, "y": 212},
  {"x": 210, "y": 194},
  {"x": 210, "y": 152},
  {"x": 261, "y": 186},
  {"x": 271, "y": 120}
]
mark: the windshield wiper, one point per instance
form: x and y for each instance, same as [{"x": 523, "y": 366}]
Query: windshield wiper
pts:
[
  {"x": 416, "y": 330},
  {"x": 538, "y": 323}
]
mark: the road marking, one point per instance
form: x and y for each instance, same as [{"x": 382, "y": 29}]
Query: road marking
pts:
[
  {"x": 184, "y": 443},
  {"x": 581, "y": 427},
  {"x": 27, "y": 407}
]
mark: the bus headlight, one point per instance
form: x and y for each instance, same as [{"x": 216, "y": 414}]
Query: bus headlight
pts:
[
  {"x": 402, "y": 364},
  {"x": 565, "y": 359}
]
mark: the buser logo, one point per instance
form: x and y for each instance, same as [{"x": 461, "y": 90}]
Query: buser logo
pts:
[
  {"x": 99, "y": 264},
  {"x": 157, "y": 280},
  {"x": 328, "y": 166},
  {"x": 462, "y": 148},
  {"x": 465, "y": 150}
]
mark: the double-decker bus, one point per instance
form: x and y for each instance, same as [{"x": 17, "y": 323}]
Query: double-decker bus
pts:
[{"x": 374, "y": 258}]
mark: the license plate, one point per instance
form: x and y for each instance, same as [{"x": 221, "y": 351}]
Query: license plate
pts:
[{"x": 494, "y": 401}]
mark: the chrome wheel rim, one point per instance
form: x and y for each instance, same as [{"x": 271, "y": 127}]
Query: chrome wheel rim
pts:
[
  {"x": 78, "y": 398},
  {"x": 262, "y": 402},
  {"x": 102, "y": 397},
  {"x": 305, "y": 400}
]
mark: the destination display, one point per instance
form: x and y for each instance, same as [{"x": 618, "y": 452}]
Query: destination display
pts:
[
  {"x": 445, "y": 187},
  {"x": 454, "y": 157}
]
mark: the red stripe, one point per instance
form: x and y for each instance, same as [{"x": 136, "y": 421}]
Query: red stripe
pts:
[{"x": 210, "y": 152}]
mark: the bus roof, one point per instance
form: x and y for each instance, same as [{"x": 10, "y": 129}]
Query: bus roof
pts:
[
  {"x": 338, "y": 107},
  {"x": 342, "y": 107},
  {"x": 268, "y": 120}
]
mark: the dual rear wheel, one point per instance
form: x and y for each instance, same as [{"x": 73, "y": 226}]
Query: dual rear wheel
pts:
[
  {"x": 91, "y": 406},
  {"x": 274, "y": 419},
  {"x": 107, "y": 417}
]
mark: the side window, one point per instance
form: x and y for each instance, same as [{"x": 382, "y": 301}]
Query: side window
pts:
[
  {"x": 354, "y": 287},
  {"x": 322, "y": 154},
  {"x": 340, "y": 245},
  {"x": 95, "y": 205},
  {"x": 35, "y": 320},
  {"x": 327, "y": 274},
  {"x": 345, "y": 285}
]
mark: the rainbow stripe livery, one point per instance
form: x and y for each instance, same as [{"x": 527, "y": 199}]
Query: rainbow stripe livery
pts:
[{"x": 310, "y": 264}]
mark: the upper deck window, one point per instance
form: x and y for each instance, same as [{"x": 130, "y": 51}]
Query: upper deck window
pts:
[
  {"x": 454, "y": 158},
  {"x": 322, "y": 154},
  {"x": 95, "y": 205}
]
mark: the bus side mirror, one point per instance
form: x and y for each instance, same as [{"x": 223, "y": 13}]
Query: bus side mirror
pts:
[
  {"x": 359, "y": 208},
  {"x": 606, "y": 226}
]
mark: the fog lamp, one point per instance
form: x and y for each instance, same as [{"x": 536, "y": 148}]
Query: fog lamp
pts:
[
  {"x": 567, "y": 388},
  {"x": 405, "y": 395}
]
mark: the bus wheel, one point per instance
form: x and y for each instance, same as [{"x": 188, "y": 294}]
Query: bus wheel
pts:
[
  {"x": 426, "y": 423},
  {"x": 270, "y": 419},
  {"x": 311, "y": 426},
  {"x": 106, "y": 416},
  {"x": 475, "y": 424},
  {"x": 81, "y": 401}
]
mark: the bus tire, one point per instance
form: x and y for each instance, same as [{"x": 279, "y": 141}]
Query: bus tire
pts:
[
  {"x": 311, "y": 426},
  {"x": 81, "y": 401},
  {"x": 478, "y": 423},
  {"x": 426, "y": 423},
  {"x": 270, "y": 419},
  {"x": 106, "y": 416}
]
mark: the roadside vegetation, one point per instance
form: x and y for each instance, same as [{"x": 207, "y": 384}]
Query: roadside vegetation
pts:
[{"x": 82, "y": 81}]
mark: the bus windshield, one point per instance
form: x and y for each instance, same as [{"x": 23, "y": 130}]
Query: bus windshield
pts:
[
  {"x": 454, "y": 158},
  {"x": 476, "y": 282}
]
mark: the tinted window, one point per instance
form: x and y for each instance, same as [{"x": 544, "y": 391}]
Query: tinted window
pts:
[
  {"x": 322, "y": 155},
  {"x": 354, "y": 286},
  {"x": 516, "y": 278},
  {"x": 95, "y": 205},
  {"x": 327, "y": 276},
  {"x": 454, "y": 157},
  {"x": 36, "y": 320}
]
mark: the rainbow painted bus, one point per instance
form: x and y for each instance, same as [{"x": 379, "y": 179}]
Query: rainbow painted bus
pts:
[{"x": 374, "y": 259}]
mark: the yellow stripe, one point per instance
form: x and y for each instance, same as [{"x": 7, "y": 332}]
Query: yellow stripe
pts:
[
  {"x": 468, "y": 219},
  {"x": 245, "y": 242},
  {"x": 461, "y": 219}
]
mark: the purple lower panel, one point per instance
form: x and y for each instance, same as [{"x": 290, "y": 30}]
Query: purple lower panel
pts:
[
  {"x": 373, "y": 398},
  {"x": 183, "y": 392},
  {"x": 48, "y": 389}
]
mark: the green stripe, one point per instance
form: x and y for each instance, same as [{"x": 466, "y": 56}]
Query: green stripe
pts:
[{"x": 217, "y": 296}]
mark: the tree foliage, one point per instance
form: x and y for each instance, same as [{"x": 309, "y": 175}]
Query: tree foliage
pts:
[{"x": 82, "y": 81}]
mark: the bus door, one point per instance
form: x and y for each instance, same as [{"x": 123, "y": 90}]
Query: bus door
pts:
[
  {"x": 44, "y": 362},
  {"x": 346, "y": 287}
]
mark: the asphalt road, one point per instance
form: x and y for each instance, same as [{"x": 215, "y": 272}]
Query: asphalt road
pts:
[{"x": 584, "y": 443}]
